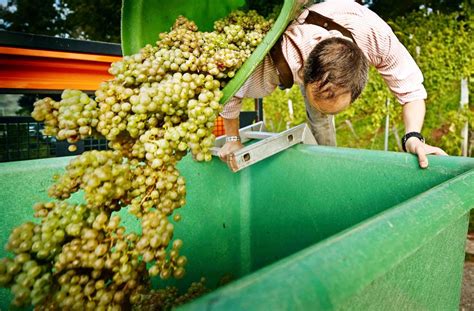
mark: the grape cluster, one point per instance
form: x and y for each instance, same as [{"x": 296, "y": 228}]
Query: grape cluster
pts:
[
  {"x": 103, "y": 176},
  {"x": 73, "y": 118},
  {"x": 30, "y": 281},
  {"x": 163, "y": 190},
  {"x": 20, "y": 240},
  {"x": 60, "y": 222},
  {"x": 47, "y": 110},
  {"x": 79, "y": 290},
  {"x": 157, "y": 233},
  {"x": 104, "y": 268},
  {"x": 35, "y": 246},
  {"x": 161, "y": 104},
  {"x": 254, "y": 25},
  {"x": 169, "y": 297}
]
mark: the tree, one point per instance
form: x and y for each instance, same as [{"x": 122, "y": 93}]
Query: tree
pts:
[
  {"x": 28, "y": 16},
  {"x": 93, "y": 20},
  {"x": 85, "y": 19},
  {"x": 388, "y": 9}
]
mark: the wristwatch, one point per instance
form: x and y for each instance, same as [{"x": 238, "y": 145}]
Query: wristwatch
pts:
[
  {"x": 232, "y": 138},
  {"x": 409, "y": 135}
]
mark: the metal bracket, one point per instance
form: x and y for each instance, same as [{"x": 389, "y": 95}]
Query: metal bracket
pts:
[{"x": 269, "y": 144}]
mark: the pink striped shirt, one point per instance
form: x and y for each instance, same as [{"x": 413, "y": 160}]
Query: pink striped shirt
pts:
[{"x": 373, "y": 36}]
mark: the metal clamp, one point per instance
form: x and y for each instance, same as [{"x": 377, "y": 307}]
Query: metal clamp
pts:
[{"x": 269, "y": 144}]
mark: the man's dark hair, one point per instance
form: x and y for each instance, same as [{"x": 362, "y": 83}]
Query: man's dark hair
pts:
[{"x": 336, "y": 63}]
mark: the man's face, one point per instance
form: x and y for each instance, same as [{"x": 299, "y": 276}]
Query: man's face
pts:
[{"x": 332, "y": 105}]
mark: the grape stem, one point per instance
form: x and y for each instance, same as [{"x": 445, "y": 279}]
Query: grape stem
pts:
[{"x": 148, "y": 193}]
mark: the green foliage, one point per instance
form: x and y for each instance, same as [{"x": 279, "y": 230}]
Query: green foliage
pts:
[
  {"x": 452, "y": 140},
  {"x": 442, "y": 46},
  {"x": 276, "y": 111},
  {"x": 371, "y": 105},
  {"x": 263, "y": 7}
]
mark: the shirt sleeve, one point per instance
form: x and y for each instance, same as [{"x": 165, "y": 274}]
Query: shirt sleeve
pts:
[
  {"x": 399, "y": 70},
  {"x": 232, "y": 108},
  {"x": 261, "y": 83}
]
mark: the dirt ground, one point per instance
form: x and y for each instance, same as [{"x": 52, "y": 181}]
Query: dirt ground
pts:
[{"x": 467, "y": 293}]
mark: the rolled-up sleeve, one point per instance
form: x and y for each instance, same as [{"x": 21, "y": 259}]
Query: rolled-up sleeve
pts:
[
  {"x": 261, "y": 83},
  {"x": 232, "y": 108}
]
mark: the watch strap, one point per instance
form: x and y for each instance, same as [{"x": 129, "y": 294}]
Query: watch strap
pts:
[
  {"x": 410, "y": 135},
  {"x": 232, "y": 138}
]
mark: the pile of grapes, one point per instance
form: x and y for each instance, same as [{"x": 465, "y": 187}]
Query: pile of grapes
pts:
[{"x": 161, "y": 103}]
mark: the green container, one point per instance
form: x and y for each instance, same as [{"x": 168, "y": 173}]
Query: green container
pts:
[{"x": 312, "y": 228}]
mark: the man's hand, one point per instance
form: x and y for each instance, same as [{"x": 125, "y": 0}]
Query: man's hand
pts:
[
  {"x": 413, "y": 116},
  {"x": 231, "y": 127},
  {"x": 416, "y": 146},
  {"x": 227, "y": 151}
]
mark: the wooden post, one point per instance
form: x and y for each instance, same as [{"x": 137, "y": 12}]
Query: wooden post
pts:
[
  {"x": 387, "y": 124},
  {"x": 463, "y": 103},
  {"x": 397, "y": 138},
  {"x": 349, "y": 124},
  {"x": 290, "y": 112}
]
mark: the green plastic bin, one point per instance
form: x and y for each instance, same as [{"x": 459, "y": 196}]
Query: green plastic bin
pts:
[{"x": 312, "y": 228}]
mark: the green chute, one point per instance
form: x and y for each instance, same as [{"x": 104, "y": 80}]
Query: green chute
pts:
[{"x": 143, "y": 20}]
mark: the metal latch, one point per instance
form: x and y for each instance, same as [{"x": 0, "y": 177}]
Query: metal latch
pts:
[{"x": 269, "y": 144}]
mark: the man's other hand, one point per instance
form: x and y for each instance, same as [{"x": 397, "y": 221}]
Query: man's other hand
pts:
[
  {"x": 225, "y": 153},
  {"x": 416, "y": 146}
]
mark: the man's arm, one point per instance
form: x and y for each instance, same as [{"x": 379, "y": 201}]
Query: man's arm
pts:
[
  {"x": 231, "y": 127},
  {"x": 405, "y": 80},
  {"x": 413, "y": 116},
  {"x": 261, "y": 83}
]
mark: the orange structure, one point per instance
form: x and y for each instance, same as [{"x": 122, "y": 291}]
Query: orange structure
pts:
[
  {"x": 22, "y": 68},
  {"x": 41, "y": 63}
]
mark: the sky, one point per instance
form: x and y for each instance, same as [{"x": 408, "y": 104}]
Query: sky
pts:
[{"x": 9, "y": 103}]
